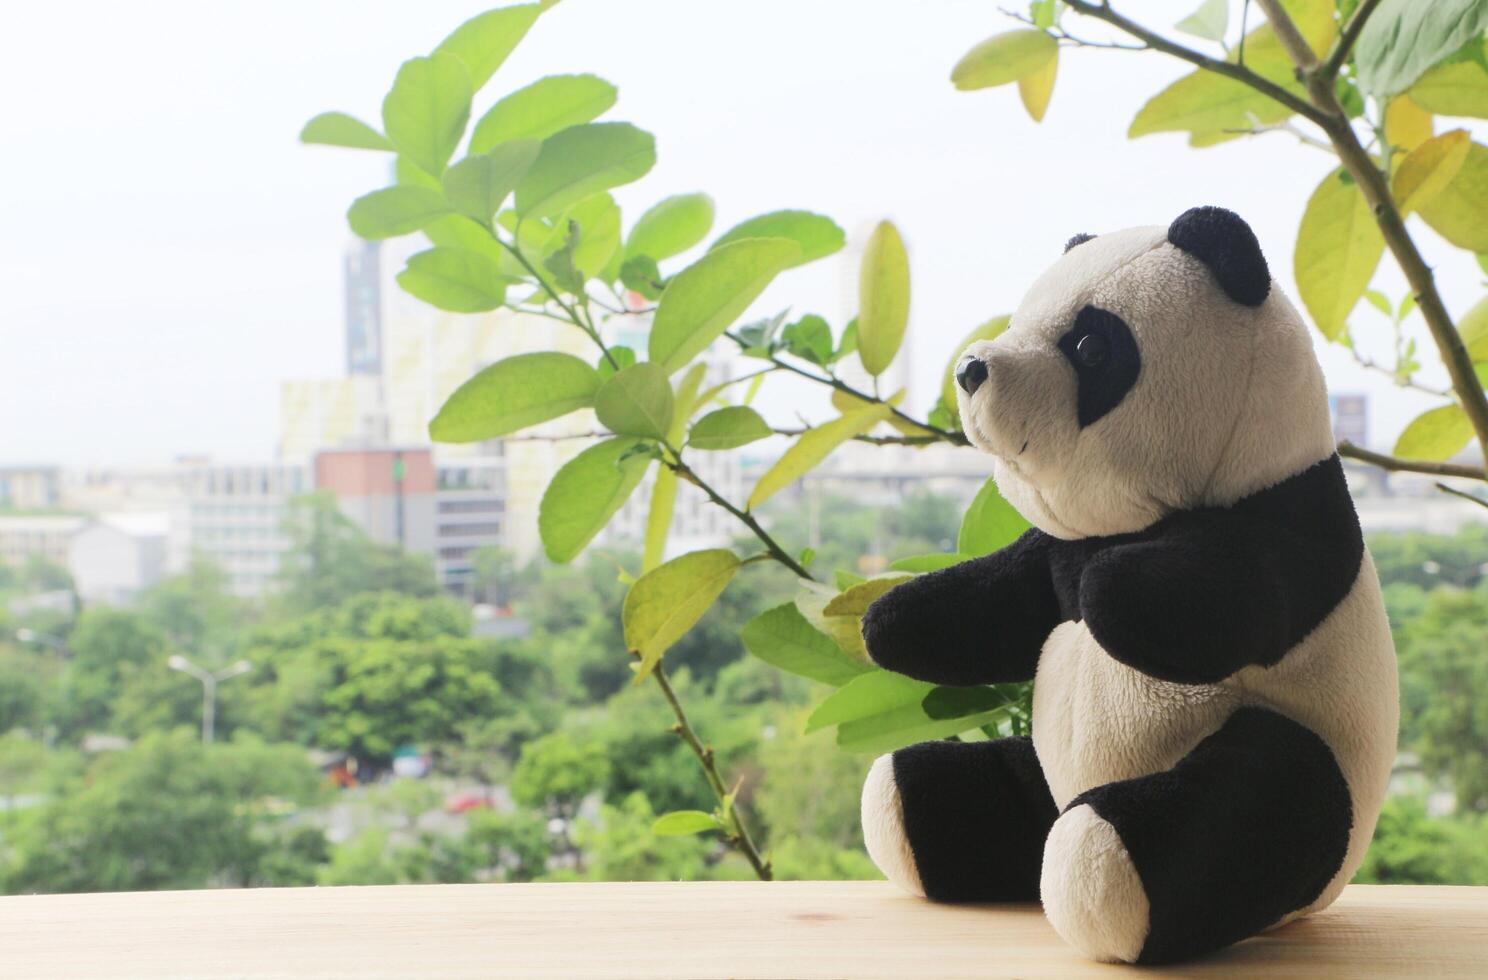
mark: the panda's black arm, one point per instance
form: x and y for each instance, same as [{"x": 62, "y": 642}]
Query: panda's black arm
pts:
[
  {"x": 1193, "y": 604},
  {"x": 980, "y": 622}
]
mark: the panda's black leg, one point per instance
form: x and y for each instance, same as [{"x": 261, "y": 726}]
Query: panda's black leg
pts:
[
  {"x": 1250, "y": 826},
  {"x": 960, "y": 821}
]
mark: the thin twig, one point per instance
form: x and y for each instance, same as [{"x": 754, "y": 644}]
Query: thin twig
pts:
[
  {"x": 1463, "y": 494},
  {"x": 1397, "y": 465},
  {"x": 1403, "y": 381},
  {"x": 1305, "y": 138},
  {"x": 1347, "y": 37},
  {"x": 676, "y": 465},
  {"x": 1103, "y": 11},
  {"x": 738, "y": 831}
]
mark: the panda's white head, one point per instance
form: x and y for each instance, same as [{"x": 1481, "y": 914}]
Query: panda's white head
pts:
[{"x": 1149, "y": 370}]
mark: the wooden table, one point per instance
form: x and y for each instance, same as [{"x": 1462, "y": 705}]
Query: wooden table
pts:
[{"x": 705, "y": 929}]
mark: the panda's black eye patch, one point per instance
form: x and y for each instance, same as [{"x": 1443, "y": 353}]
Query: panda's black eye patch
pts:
[
  {"x": 1079, "y": 239},
  {"x": 1103, "y": 352}
]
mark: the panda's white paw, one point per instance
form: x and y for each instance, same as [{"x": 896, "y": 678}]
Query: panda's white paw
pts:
[
  {"x": 1090, "y": 888},
  {"x": 883, "y": 828}
]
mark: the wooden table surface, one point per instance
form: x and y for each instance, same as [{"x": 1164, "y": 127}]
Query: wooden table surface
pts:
[{"x": 704, "y": 929}]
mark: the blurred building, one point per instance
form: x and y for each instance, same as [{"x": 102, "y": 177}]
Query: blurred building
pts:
[
  {"x": 30, "y": 487},
  {"x": 234, "y": 515},
  {"x": 114, "y": 558},
  {"x": 322, "y": 413},
  {"x": 388, "y": 493},
  {"x": 43, "y": 536},
  {"x": 469, "y": 514}
]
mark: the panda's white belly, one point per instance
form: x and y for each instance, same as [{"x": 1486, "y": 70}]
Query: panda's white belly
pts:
[{"x": 1096, "y": 720}]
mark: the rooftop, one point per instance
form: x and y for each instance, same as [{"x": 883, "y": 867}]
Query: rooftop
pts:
[{"x": 704, "y": 929}]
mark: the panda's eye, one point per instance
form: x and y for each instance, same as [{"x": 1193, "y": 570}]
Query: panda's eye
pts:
[{"x": 1092, "y": 349}]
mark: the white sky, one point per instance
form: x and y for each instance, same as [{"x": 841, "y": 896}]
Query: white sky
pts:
[{"x": 169, "y": 252}]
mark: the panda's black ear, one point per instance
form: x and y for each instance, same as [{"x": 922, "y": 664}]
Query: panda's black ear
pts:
[{"x": 1224, "y": 242}]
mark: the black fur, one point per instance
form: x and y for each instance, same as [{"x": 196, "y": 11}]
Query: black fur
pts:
[
  {"x": 1224, "y": 242},
  {"x": 1079, "y": 239},
  {"x": 976, "y": 815},
  {"x": 980, "y": 622},
  {"x": 1249, "y": 826},
  {"x": 1192, "y": 599},
  {"x": 1102, "y": 385}
]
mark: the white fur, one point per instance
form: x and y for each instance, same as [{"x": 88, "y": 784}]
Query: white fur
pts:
[
  {"x": 1090, "y": 888},
  {"x": 883, "y": 828}
]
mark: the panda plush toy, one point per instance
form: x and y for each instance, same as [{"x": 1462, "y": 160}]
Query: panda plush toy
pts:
[{"x": 1215, "y": 703}]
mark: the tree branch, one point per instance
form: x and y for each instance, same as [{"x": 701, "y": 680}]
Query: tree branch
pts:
[
  {"x": 1376, "y": 190},
  {"x": 1397, "y": 465},
  {"x": 738, "y": 831},
  {"x": 1347, "y": 37},
  {"x": 1463, "y": 494},
  {"x": 1239, "y": 73}
]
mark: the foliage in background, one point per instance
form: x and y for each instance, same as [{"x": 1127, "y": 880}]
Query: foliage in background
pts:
[{"x": 524, "y": 220}]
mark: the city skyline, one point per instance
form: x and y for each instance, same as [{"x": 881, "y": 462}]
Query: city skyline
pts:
[{"x": 209, "y": 281}]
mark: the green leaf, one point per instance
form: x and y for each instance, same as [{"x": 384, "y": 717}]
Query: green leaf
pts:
[
  {"x": 598, "y": 218},
  {"x": 396, "y": 210},
  {"x": 783, "y": 638},
  {"x": 1459, "y": 88},
  {"x": 809, "y": 338},
  {"x": 623, "y": 356},
  {"x": 1459, "y": 211},
  {"x": 811, "y": 448},
  {"x": 855, "y": 599},
  {"x": 458, "y": 231},
  {"x": 846, "y": 631},
  {"x": 1474, "y": 329},
  {"x": 871, "y": 693},
  {"x": 704, "y": 299},
  {"x": 514, "y": 393},
  {"x": 641, "y": 275},
  {"x": 728, "y": 428},
  {"x": 990, "y": 523},
  {"x": 586, "y": 492},
  {"x": 989, "y": 330},
  {"x": 584, "y": 160},
  {"x": 880, "y": 711},
  {"x": 1436, "y": 434},
  {"x": 478, "y": 184},
  {"x": 1208, "y": 22},
  {"x": 1405, "y": 38},
  {"x": 547, "y": 106},
  {"x": 1380, "y": 302},
  {"x": 659, "y": 518},
  {"x": 883, "y": 298},
  {"x": 339, "y": 129},
  {"x": 484, "y": 41},
  {"x": 817, "y": 235},
  {"x": 455, "y": 280},
  {"x": 636, "y": 402},
  {"x": 1338, "y": 247},
  {"x": 680, "y": 823},
  {"x": 668, "y": 601},
  {"x": 928, "y": 563},
  {"x": 671, "y": 226},
  {"x": 425, "y": 113},
  {"x": 1003, "y": 58}
]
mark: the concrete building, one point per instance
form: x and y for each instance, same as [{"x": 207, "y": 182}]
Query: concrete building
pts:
[
  {"x": 234, "y": 515},
  {"x": 323, "y": 413},
  {"x": 30, "y": 487},
  {"x": 470, "y": 514},
  {"x": 44, "y": 536},
  {"x": 388, "y": 493},
  {"x": 116, "y": 557}
]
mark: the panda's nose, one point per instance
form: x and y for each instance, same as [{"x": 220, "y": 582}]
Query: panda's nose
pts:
[{"x": 971, "y": 373}]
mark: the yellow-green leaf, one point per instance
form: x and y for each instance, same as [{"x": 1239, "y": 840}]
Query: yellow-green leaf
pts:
[
  {"x": 784, "y": 638},
  {"x": 659, "y": 518},
  {"x": 671, "y": 226},
  {"x": 395, "y": 210},
  {"x": 1407, "y": 125},
  {"x": 585, "y": 493},
  {"x": 728, "y": 428},
  {"x": 339, "y": 129},
  {"x": 584, "y": 160},
  {"x": 1436, "y": 435},
  {"x": 680, "y": 823},
  {"x": 817, "y": 235},
  {"x": 669, "y": 600},
  {"x": 547, "y": 106},
  {"x": 514, "y": 393},
  {"x": 425, "y": 113},
  {"x": 883, "y": 298},
  {"x": 813, "y": 447},
  {"x": 1036, "y": 88},
  {"x": 478, "y": 184},
  {"x": 484, "y": 41},
  {"x": 1428, "y": 168},
  {"x": 990, "y": 522},
  {"x": 1003, "y": 58},
  {"x": 984, "y": 331},
  {"x": 704, "y": 299},
  {"x": 455, "y": 280},
  {"x": 1474, "y": 329},
  {"x": 1456, "y": 89},
  {"x": 855, "y": 600},
  {"x": 637, "y": 401},
  {"x": 1338, "y": 247},
  {"x": 845, "y": 631},
  {"x": 1459, "y": 212}
]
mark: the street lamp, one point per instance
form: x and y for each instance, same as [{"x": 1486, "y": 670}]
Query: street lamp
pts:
[{"x": 209, "y": 682}]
